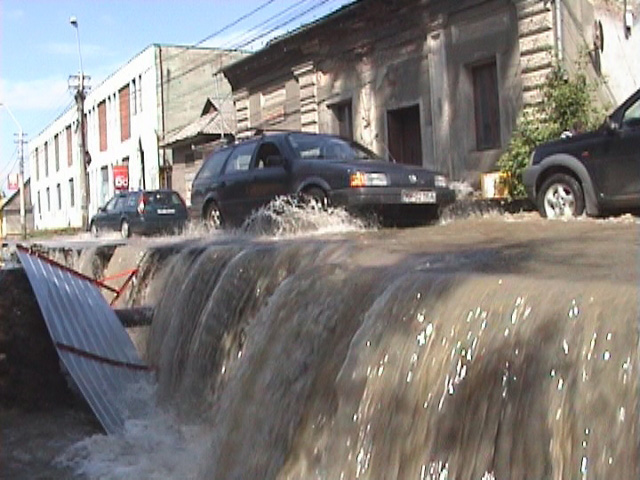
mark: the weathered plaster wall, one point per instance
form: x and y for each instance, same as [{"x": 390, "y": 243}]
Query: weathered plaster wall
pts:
[{"x": 620, "y": 59}]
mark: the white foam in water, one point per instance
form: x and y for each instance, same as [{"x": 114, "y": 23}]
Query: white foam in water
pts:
[
  {"x": 286, "y": 217},
  {"x": 148, "y": 449},
  {"x": 153, "y": 446}
]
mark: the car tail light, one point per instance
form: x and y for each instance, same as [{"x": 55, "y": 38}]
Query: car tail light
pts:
[
  {"x": 362, "y": 179},
  {"x": 141, "y": 205}
]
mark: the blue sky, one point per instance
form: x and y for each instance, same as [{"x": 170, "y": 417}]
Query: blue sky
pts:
[{"x": 38, "y": 48}]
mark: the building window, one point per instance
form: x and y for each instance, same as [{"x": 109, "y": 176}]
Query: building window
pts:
[
  {"x": 134, "y": 97},
  {"x": 125, "y": 117},
  {"x": 189, "y": 157},
  {"x": 139, "y": 93},
  {"x": 39, "y": 206},
  {"x": 69, "y": 147},
  {"x": 38, "y": 168},
  {"x": 46, "y": 159},
  {"x": 104, "y": 185},
  {"x": 102, "y": 125},
  {"x": 404, "y": 136},
  {"x": 72, "y": 194},
  {"x": 56, "y": 151},
  {"x": 343, "y": 119},
  {"x": 48, "y": 194},
  {"x": 59, "y": 192},
  {"x": 486, "y": 105}
]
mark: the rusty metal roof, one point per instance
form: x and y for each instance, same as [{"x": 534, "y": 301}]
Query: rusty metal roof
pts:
[{"x": 90, "y": 340}]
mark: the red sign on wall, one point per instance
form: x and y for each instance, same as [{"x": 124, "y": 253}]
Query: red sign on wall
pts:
[
  {"x": 14, "y": 181},
  {"x": 121, "y": 177}
]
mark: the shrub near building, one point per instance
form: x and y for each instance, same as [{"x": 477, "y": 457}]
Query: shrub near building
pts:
[{"x": 567, "y": 106}]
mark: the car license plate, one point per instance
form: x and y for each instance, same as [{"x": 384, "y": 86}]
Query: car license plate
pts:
[
  {"x": 166, "y": 211},
  {"x": 418, "y": 196}
]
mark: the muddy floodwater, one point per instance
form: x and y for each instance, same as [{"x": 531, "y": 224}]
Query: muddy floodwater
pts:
[{"x": 499, "y": 347}]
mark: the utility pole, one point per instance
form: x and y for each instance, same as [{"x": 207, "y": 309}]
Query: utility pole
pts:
[
  {"x": 23, "y": 210},
  {"x": 83, "y": 181}
]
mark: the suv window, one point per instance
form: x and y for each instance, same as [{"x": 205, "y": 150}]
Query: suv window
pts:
[
  {"x": 631, "y": 117},
  {"x": 214, "y": 163},
  {"x": 240, "y": 158}
]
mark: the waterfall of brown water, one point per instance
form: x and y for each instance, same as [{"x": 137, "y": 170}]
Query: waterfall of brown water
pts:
[{"x": 318, "y": 359}]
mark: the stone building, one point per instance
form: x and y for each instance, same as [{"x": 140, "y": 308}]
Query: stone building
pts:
[
  {"x": 128, "y": 116},
  {"x": 428, "y": 82}
]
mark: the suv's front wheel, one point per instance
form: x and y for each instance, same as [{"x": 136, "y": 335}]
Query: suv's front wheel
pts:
[
  {"x": 213, "y": 217},
  {"x": 561, "y": 196}
]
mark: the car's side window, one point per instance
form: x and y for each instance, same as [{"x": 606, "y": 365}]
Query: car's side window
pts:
[
  {"x": 110, "y": 206},
  {"x": 132, "y": 201},
  {"x": 240, "y": 158},
  {"x": 213, "y": 165},
  {"x": 631, "y": 116},
  {"x": 267, "y": 152},
  {"x": 120, "y": 203}
]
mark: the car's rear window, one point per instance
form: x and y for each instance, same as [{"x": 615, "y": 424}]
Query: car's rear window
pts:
[
  {"x": 328, "y": 147},
  {"x": 162, "y": 198},
  {"x": 213, "y": 165}
]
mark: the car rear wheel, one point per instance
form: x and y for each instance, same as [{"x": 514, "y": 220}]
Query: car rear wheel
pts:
[
  {"x": 125, "y": 231},
  {"x": 213, "y": 217},
  {"x": 561, "y": 196},
  {"x": 315, "y": 195},
  {"x": 94, "y": 230}
]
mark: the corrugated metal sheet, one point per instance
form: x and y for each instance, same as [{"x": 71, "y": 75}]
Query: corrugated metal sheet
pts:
[{"x": 91, "y": 341}]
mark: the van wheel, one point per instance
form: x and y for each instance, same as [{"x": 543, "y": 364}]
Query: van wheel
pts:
[
  {"x": 125, "y": 231},
  {"x": 94, "y": 230},
  {"x": 561, "y": 196},
  {"x": 213, "y": 217}
]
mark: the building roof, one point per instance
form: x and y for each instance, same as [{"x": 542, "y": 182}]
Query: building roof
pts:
[
  {"x": 213, "y": 122},
  {"x": 4, "y": 202},
  {"x": 290, "y": 47}
]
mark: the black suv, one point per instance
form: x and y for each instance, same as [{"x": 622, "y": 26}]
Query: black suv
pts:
[
  {"x": 141, "y": 212},
  {"x": 596, "y": 171},
  {"x": 238, "y": 179}
]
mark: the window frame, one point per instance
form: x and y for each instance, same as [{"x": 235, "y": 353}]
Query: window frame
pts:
[{"x": 486, "y": 105}]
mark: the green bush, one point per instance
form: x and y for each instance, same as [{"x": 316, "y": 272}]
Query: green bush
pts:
[{"x": 567, "y": 106}]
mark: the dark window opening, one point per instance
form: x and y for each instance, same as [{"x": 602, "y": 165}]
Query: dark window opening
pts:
[
  {"x": 405, "y": 140},
  {"x": 343, "y": 119},
  {"x": 56, "y": 150},
  {"x": 486, "y": 106},
  {"x": 72, "y": 195},
  {"x": 46, "y": 159}
]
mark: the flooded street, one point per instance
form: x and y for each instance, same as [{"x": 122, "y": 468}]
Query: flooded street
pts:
[{"x": 492, "y": 347}]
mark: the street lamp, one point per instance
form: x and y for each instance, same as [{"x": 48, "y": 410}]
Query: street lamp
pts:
[
  {"x": 23, "y": 220},
  {"x": 83, "y": 182}
]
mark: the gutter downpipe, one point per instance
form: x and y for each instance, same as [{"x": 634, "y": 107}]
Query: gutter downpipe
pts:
[
  {"x": 558, "y": 32},
  {"x": 162, "y": 121}
]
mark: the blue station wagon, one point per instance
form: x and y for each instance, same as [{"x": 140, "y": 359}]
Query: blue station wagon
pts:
[{"x": 141, "y": 212}]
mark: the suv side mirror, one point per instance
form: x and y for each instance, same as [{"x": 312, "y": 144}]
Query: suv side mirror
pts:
[{"x": 611, "y": 125}]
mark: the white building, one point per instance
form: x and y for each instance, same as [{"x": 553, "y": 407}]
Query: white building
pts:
[{"x": 158, "y": 92}]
